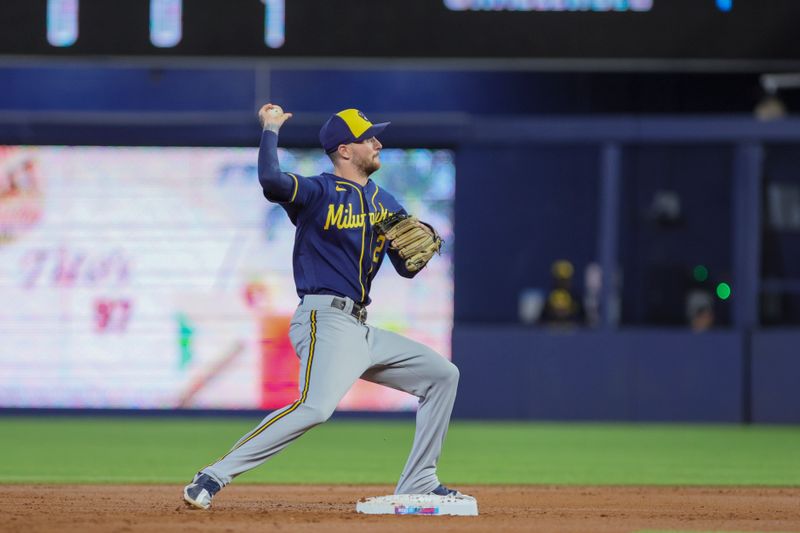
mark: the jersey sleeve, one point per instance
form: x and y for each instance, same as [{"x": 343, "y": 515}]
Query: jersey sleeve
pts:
[{"x": 283, "y": 187}]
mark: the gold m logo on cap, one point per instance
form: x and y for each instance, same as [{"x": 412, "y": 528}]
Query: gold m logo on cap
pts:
[{"x": 355, "y": 120}]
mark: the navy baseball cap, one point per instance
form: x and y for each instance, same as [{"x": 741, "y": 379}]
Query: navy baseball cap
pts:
[{"x": 346, "y": 127}]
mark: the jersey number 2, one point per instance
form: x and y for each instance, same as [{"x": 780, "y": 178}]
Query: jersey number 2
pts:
[{"x": 381, "y": 242}]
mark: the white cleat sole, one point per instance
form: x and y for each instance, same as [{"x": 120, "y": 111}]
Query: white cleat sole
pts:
[
  {"x": 194, "y": 503},
  {"x": 419, "y": 504}
]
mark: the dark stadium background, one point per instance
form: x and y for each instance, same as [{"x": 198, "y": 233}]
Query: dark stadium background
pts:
[{"x": 573, "y": 132}]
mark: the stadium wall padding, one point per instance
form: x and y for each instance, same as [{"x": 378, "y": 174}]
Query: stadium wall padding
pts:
[
  {"x": 516, "y": 372},
  {"x": 776, "y": 376}
]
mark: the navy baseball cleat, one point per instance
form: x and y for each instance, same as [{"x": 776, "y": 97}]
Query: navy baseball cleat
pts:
[
  {"x": 441, "y": 490},
  {"x": 199, "y": 492}
]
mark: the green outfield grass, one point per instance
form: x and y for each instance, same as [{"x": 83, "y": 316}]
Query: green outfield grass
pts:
[{"x": 169, "y": 450}]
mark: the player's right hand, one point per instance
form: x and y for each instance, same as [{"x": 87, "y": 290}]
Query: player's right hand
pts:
[{"x": 272, "y": 117}]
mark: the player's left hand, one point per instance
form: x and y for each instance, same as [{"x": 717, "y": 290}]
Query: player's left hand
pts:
[{"x": 415, "y": 241}]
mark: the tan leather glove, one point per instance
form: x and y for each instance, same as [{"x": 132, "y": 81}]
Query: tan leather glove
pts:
[{"x": 415, "y": 241}]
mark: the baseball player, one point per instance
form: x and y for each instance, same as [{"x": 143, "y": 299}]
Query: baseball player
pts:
[{"x": 346, "y": 223}]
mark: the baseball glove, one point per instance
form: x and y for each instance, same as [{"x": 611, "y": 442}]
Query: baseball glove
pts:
[{"x": 415, "y": 241}]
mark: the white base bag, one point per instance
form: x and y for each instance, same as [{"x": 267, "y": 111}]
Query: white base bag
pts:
[{"x": 419, "y": 504}]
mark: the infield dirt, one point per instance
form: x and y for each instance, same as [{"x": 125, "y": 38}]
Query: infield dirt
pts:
[{"x": 126, "y": 508}]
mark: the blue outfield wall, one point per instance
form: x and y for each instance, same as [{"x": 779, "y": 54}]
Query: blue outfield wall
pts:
[
  {"x": 648, "y": 375},
  {"x": 776, "y": 376}
]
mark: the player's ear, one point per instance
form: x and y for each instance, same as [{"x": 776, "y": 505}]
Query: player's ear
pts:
[{"x": 344, "y": 152}]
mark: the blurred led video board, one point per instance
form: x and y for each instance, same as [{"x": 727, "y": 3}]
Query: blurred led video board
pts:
[
  {"x": 529, "y": 29},
  {"x": 547, "y": 5},
  {"x": 161, "y": 277}
]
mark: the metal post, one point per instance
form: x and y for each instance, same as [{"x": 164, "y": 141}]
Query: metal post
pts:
[
  {"x": 746, "y": 223},
  {"x": 747, "y": 235},
  {"x": 608, "y": 235}
]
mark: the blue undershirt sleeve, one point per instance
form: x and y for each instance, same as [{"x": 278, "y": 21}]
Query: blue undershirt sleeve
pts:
[
  {"x": 282, "y": 187},
  {"x": 400, "y": 264}
]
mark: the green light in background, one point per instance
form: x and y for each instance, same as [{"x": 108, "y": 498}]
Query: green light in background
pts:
[
  {"x": 700, "y": 273},
  {"x": 723, "y": 291}
]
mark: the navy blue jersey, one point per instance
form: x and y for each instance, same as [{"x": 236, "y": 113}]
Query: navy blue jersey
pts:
[{"x": 336, "y": 249}]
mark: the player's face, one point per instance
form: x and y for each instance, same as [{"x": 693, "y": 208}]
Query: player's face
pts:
[{"x": 367, "y": 155}]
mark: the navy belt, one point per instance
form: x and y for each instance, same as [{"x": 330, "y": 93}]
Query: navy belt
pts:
[{"x": 358, "y": 311}]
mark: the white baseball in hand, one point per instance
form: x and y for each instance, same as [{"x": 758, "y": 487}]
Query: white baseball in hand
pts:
[{"x": 272, "y": 116}]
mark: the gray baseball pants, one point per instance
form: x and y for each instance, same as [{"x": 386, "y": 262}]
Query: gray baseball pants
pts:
[{"x": 335, "y": 350}]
